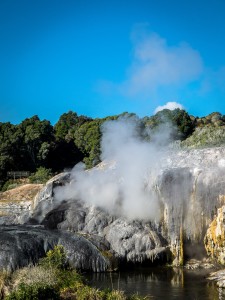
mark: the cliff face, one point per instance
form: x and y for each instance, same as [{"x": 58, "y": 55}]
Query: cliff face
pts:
[
  {"x": 188, "y": 189},
  {"x": 215, "y": 237},
  {"x": 191, "y": 197}
]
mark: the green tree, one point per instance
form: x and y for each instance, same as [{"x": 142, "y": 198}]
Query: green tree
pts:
[
  {"x": 37, "y": 138},
  {"x": 87, "y": 139},
  {"x": 63, "y": 152},
  {"x": 42, "y": 175},
  {"x": 67, "y": 124},
  {"x": 179, "y": 119},
  {"x": 10, "y": 148}
]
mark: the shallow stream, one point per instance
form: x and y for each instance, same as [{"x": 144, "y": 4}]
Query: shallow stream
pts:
[{"x": 160, "y": 283}]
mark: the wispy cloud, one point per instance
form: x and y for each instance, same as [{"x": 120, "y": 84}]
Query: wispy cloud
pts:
[{"x": 156, "y": 65}]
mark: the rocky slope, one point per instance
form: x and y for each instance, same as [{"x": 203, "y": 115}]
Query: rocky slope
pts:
[{"x": 188, "y": 188}]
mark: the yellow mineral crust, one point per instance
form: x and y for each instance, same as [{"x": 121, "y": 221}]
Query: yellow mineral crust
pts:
[{"x": 215, "y": 237}]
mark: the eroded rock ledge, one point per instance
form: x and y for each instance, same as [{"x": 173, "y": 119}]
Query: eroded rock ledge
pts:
[{"x": 24, "y": 245}]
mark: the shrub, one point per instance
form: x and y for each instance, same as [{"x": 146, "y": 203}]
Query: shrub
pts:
[
  {"x": 208, "y": 136},
  {"x": 39, "y": 276},
  {"x": 33, "y": 275},
  {"x": 51, "y": 273},
  {"x": 116, "y": 295},
  {"x": 55, "y": 258},
  {"x": 36, "y": 291},
  {"x": 9, "y": 184},
  {"x": 86, "y": 293},
  {"x": 68, "y": 279},
  {"x": 42, "y": 175}
]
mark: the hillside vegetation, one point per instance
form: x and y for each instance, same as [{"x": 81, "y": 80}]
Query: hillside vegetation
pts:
[{"x": 35, "y": 144}]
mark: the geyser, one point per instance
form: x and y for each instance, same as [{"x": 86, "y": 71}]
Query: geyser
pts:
[{"x": 142, "y": 179}]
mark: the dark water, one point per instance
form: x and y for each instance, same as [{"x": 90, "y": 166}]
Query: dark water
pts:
[{"x": 160, "y": 283}]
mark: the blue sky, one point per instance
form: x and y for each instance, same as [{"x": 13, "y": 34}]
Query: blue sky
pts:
[{"x": 101, "y": 58}]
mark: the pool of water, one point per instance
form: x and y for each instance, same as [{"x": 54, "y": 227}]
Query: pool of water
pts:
[{"x": 160, "y": 283}]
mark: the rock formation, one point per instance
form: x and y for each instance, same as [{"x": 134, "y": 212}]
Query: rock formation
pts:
[
  {"x": 188, "y": 188},
  {"x": 132, "y": 241},
  {"x": 16, "y": 204},
  {"x": 24, "y": 245},
  {"x": 215, "y": 237}
]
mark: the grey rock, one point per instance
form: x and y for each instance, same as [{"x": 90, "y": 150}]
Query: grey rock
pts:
[
  {"x": 131, "y": 241},
  {"x": 188, "y": 187},
  {"x": 134, "y": 241},
  {"x": 24, "y": 245}
]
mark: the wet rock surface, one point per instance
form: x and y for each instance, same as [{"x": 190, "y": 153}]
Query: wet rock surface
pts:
[{"x": 24, "y": 245}]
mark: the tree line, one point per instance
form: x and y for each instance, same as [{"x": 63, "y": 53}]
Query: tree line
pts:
[{"x": 35, "y": 143}]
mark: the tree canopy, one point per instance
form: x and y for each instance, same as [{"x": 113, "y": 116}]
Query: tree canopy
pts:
[{"x": 35, "y": 143}]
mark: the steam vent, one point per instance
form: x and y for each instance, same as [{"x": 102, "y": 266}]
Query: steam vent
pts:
[{"x": 172, "y": 211}]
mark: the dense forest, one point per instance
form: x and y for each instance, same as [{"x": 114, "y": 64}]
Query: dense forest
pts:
[{"x": 35, "y": 144}]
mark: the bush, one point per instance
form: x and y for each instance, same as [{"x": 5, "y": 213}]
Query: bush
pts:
[
  {"x": 33, "y": 275},
  {"x": 42, "y": 175},
  {"x": 84, "y": 292},
  {"x": 34, "y": 292},
  {"x": 9, "y": 184},
  {"x": 68, "y": 279},
  {"x": 39, "y": 276},
  {"x": 207, "y": 136},
  {"x": 51, "y": 274},
  {"x": 55, "y": 258}
]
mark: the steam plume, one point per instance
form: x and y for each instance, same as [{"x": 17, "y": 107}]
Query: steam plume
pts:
[{"x": 125, "y": 186}]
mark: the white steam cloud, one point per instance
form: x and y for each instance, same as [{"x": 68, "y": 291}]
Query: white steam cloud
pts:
[
  {"x": 124, "y": 183},
  {"x": 170, "y": 106}
]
